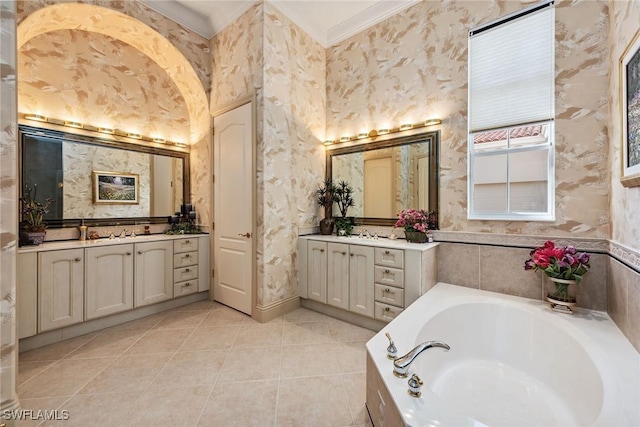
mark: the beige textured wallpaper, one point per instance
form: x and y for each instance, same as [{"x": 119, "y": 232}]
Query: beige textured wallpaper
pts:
[
  {"x": 100, "y": 81},
  {"x": 625, "y": 202},
  {"x": 413, "y": 66},
  {"x": 265, "y": 52}
]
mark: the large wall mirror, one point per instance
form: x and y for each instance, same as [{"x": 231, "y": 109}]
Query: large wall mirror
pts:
[
  {"x": 388, "y": 176},
  {"x": 70, "y": 168}
]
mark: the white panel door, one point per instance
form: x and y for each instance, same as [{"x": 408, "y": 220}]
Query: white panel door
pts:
[
  {"x": 338, "y": 275},
  {"x": 234, "y": 172},
  {"x": 317, "y": 271},
  {"x": 109, "y": 280},
  {"x": 60, "y": 288},
  {"x": 378, "y": 188},
  {"x": 361, "y": 278},
  {"x": 153, "y": 280}
]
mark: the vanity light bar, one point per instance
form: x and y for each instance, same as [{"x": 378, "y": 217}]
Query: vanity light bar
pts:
[
  {"x": 91, "y": 128},
  {"x": 36, "y": 117},
  {"x": 71, "y": 124},
  {"x": 373, "y": 133}
]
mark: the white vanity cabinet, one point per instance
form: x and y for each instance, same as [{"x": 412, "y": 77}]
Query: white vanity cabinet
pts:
[
  {"x": 27, "y": 294},
  {"x": 372, "y": 278},
  {"x": 109, "y": 280},
  {"x": 337, "y": 275},
  {"x": 60, "y": 288},
  {"x": 185, "y": 266},
  {"x": 317, "y": 271},
  {"x": 64, "y": 283},
  {"x": 153, "y": 281},
  {"x": 361, "y": 290}
]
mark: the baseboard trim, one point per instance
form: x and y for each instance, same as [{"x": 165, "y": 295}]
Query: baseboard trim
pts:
[
  {"x": 345, "y": 316},
  {"x": 266, "y": 313},
  {"x": 72, "y": 331}
]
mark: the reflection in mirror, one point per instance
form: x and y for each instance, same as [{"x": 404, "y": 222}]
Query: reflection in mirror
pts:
[
  {"x": 389, "y": 176},
  {"x": 61, "y": 165}
]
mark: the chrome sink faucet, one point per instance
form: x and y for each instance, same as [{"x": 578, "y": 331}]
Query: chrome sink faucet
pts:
[{"x": 401, "y": 364}]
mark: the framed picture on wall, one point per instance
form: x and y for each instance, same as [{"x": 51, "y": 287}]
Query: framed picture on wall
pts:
[
  {"x": 630, "y": 103},
  {"x": 115, "y": 188}
]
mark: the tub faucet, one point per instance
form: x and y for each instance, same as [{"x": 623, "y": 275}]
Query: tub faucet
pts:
[{"x": 401, "y": 364}]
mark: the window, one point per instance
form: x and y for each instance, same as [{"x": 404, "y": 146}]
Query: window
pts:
[{"x": 511, "y": 111}]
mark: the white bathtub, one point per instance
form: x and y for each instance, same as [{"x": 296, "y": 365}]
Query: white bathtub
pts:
[{"x": 513, "y": 362}]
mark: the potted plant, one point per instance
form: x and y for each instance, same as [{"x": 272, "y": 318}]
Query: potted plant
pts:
[
  {"x": 416, "y": 224},
  {"x": 325, "y": 200},
  {"x": 343, "y": 197},
  {"x": 564, "y": 266},
  {"x": 33, "y": 228}
]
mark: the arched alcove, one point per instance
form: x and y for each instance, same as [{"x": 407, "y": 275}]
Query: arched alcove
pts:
[{"x": 128, "y": 30}]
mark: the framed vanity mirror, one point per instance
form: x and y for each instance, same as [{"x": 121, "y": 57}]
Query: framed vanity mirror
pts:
[
  {"x": 388, "y": 176},
  {"x": 63, "y": 166}
]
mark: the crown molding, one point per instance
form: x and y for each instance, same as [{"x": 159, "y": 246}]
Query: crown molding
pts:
[
  {"x": 182, "y": 15},
  {"x": 372, "y": 15}
]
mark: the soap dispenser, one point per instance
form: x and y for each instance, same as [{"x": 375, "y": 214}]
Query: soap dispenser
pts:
[{"x": 83, "y": 231}]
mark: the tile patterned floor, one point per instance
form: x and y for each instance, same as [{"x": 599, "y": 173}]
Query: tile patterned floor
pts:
[{"x": 203, "y": 365}]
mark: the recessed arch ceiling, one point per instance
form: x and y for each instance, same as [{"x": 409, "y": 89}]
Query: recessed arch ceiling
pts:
[
  {"x": 93, "y": 78},
  {"x": 96, "y": 19}
]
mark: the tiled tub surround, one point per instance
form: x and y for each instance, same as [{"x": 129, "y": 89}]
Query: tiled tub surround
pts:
[
  {"x": 512, "y": 362},
  {"x": 495, "y": 262},
  {"x": 203, "y": 364},
  {"x": 70, "y": 288}
]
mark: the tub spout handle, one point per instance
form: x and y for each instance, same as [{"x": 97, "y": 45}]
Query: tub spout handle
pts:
[
  {"x": 401, "y": 364},
  {"x": 392, "y": 350}
]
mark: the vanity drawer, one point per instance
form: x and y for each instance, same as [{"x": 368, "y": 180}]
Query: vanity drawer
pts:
[
  {"x": 389, "y": 276},
  {"x": 185, "y": 245},
  {"x": 185, "y": 259},
  {"x": 185, "y": 288},
  {"x": 185, "y": 273},
  {"x": 386, "y": 312},
  {"x": 389, "y": 257},
  {"x": 389, "y": 295}
]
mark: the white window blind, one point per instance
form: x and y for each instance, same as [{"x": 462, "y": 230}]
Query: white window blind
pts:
[
  {"x": 511, "y": 112},
  {"x": 511, "y": 71}
]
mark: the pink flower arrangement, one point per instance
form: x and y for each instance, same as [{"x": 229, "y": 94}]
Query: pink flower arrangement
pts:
[
  {"x": 559, "y": 262},
  {"x": 416, "y": 220}
]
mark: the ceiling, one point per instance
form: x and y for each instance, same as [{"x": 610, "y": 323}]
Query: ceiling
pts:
[{"x": 327, "y": 21}]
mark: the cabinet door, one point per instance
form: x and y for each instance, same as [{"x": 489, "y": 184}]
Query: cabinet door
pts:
[
  {"x": 317, "y": 271},
  {"x": 338, "y": 275},
  {"x": 204, "y": 263},
  {"x": 109, "y": 280},
  {"x": 60, "y": 288},
  {"x": 153, "y": 273},
  {"x": 27, "y": 294},
  {"x": 361, "y": 289}
]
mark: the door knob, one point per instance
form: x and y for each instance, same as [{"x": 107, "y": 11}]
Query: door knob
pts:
[{"x": 247, "y": 235}]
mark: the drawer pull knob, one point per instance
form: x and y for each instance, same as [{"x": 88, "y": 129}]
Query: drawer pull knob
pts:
[
  {"x": 387, "y": 290},
  {"x": 128, "y": 253},
  {"x": 386, "y": 309},
  {"x": 139, "y": 252},
  {"x": 387, "y": 252},
  {"x": 386, "y": 271},
  {"x": 187, "y": 270},
  {"x": 187, "y": 242},
  {"x": 187, "y": 285},
  {"x": 78, "y": 259},
  {"x": 321, "y": 250},
  {"x": 350, "y": 254},
  {"x": 344, "y": 253},
  {"x": 187, "y": 256}
]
